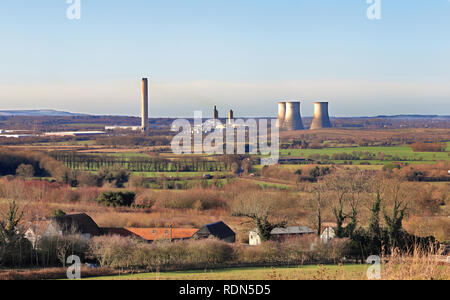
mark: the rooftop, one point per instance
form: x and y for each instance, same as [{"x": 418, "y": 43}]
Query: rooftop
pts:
[{"x": 153, "y": 234}]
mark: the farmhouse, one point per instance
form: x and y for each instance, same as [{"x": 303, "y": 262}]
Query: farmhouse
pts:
[
  {"x": 80, "y": 224},
  {"x": 219, "y": 230},
  {"x": 280, "y": 234}
]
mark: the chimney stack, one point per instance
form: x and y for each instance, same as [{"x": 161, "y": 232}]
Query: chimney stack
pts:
[
  {"x": 144, "y": 118},
  {"x": 230, "y": 117},
  {"x": 215, "y": 113},
  {"x": 321, "y": 118}
]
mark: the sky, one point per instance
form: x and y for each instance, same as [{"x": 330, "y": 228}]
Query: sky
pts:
[{"x": 244, "y": 55}]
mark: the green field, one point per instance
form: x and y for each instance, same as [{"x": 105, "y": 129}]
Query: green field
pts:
[
  {"x": 403, "y": 152},
  {"x": 285, "y": 273}
]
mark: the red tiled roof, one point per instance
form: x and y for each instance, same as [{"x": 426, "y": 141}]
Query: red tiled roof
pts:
[{"x": 118, "y": 231}]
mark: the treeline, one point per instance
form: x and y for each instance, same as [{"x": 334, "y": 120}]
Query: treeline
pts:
[
  {"x": 135, "y": 140},
  {"x": 87, "y": 162},
  {"x": 42, "y": 164},
  {"x": 429, "y": 147}
]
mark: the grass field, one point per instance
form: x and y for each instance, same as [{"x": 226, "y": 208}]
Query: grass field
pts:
[
  {"x": 283, "y": 273},
  {"x": 403, "y": 152},
  {"x": 294, "y": 168}
]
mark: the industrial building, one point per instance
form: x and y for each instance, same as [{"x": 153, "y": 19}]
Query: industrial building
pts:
[
  {"x": 117, "y": 127},
  {"x": 75, "y": 133}
]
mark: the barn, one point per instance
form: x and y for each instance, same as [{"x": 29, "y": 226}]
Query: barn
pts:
[{"x": 218, "y": 230}]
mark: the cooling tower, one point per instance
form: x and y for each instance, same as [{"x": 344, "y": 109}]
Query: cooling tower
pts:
[
  {"x": 292, "y": 118},
  {"x": 281, "y": 113},
  {"x": 321, "y": 118},
  {"x": 144, "y": 119}
]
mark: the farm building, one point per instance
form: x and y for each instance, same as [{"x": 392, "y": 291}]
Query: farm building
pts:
[
  {"x": 279, "y": 234},
  {"x": 219, "y": 230},
  {"x": 80, "y": 224}
]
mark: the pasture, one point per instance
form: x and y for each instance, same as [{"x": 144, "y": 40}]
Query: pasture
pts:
[
  {"x": 355, "y": 272},
  {"x": 392, "y": 153}
]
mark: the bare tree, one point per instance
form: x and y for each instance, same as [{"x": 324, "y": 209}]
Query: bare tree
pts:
[
  {"x": 257, "y": 206},
  {"x": 318, "y": 202},
  {"x": 347, "y": 188},
  {"x": 337, "y": 184},
  {"x": 396, "y": 195}
]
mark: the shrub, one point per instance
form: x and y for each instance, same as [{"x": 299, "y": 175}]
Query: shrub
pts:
[
  {"x": 116, "y": 199},
  {"x": 25, "y": 171},
  {"x": 54, "y": 250},
  {"x": 57, "y": 213}
]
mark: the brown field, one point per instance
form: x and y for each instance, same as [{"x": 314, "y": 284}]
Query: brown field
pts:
[{"x": 377, "y": 135}]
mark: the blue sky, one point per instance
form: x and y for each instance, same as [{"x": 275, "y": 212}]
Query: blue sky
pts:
[{"x": 245, "y": 55}]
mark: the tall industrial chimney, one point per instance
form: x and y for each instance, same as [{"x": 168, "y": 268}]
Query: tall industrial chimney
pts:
[
  {"x": 230, "y": 117},
  {"x": 293, "y": 119},
  {"x": 321, "y": 118},
  {"x": 215, "y": 113},
  {"x": 144, "y": 119},
  {"x": 281, "y": 113}
]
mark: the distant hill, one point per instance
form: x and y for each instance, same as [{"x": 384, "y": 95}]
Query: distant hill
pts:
[
  {"x": 413, "y": 117},
  {"x": 38, "y": 113}
]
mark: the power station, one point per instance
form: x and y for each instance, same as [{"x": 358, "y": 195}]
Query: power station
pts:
[
  {"x": 144, "y": 119},
  {"x": 289, "y": 116},
  {"x": 321, "y": 118}
]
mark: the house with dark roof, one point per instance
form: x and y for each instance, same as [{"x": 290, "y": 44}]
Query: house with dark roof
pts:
[
  {"x": 279, "y": 234},
  {"x": 80, "y": 224},
  {"x": 218, "y": 230}
]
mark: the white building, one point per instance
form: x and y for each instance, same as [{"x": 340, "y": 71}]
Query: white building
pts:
[
  {"x": 74, "y": 133},
  {"x": 253, "y": 238},
  {"x": 117, "y": 127},
  {"x": 327, "y": 235},
  {"x": 279, "y": 234}
]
